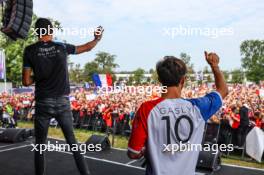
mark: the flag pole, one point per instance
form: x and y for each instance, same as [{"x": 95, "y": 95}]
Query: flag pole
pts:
[{"x": 4, "y": 68}]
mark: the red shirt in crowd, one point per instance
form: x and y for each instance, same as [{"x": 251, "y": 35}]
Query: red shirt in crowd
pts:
[{"x": 236, "y": 122}]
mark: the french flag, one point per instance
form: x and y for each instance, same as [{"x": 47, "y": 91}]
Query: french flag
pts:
[{"x": 102, "y": 80}]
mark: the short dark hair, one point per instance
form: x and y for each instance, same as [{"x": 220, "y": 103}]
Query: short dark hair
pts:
[
  {"x": 43, "y": 23},
  {"x": 170, "y": 71}
]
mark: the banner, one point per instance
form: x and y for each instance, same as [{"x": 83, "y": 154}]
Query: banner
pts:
[
  {"x": 255, "y": 144},
  {"x": 2, "y": 65}
]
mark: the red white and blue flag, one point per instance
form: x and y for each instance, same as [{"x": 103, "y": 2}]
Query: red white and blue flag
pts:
[{"x": 102, "y": 80}]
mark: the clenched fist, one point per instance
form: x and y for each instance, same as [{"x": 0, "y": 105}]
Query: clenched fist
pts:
[
  {"x": 98, "y": 33},
  {"x": 212, "y": 59}
]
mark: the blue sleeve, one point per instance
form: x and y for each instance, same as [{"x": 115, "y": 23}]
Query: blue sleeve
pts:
[
  {"x": 71, "y": 49},
  {"x": 208, "y": 105}
]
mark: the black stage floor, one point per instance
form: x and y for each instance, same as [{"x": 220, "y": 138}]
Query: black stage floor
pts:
[{"x": 17, "y": 159}]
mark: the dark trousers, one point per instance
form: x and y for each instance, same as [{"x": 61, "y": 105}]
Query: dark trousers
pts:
[
  {"x": 242, "y": 134},
  {"x": 58, "y": 108}
]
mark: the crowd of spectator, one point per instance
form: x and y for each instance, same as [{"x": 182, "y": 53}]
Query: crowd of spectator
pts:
[
  {"x": 242, "y": 109},
  {"x": 14, "y": 107}
]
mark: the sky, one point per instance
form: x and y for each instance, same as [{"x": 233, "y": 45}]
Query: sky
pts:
[{"x": 141, "y": 32}]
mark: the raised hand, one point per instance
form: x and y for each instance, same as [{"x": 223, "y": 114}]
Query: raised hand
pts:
[
  {"x": 98, "y": 33},
  {"x": 212, "y": 59}
]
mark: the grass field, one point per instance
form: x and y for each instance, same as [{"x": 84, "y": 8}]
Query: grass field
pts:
[{"x": 121, "y": 142}]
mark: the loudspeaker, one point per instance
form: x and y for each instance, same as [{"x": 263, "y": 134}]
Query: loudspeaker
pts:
[
  {"x": 97, "y": 139},
  {"x": 209, "y": 160},
  {"x": 211, "y": 133},
  {"x": 12, "y": 135},
  {"x": 17, "y": 18},
  {"x": 29, "y": 133}
]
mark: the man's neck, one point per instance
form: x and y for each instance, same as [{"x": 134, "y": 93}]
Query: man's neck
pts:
[
  {"x": 172, "y": 92},
  {"x": 46, "y": 38}
]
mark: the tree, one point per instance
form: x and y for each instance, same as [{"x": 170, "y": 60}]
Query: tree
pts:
[
  {"x": 187, "y": 60},
  {"x": 106, "y": 62},
  {"x": 14, "y": 54},
  {"x": 206, "y": 70},
  {"x": 226, "y": 75},
  {"x": 130, "y": 80},
  {"x": 151, "y": 71},
  {"x": 89, "y": 69},
  {"x": 252, "y": 52},
  {"x": 76, "y": 73},
  {"x": 237, "y": 76},
  {"x": 209, "y": 78},
  {"x": 154, "y": 77},
  {"x": 138, "y": 76}
]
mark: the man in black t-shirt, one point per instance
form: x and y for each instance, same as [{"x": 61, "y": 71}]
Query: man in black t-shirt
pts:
[
  {"x": 47, "y": 60},
  {"x": 244, "y": 124}
]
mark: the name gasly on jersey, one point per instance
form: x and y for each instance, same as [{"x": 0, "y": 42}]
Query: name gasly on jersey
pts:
[
  {"x": 185, "y": 147},
  {"x": 176, "y": 110}
]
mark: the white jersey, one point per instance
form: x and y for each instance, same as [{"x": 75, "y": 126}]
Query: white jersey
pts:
[{"x": 162, "y": 123}]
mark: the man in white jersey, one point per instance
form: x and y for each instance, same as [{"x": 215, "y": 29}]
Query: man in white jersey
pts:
[{"x": 170, "y": 120}]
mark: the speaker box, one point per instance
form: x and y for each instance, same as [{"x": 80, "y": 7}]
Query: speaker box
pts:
[
  {"x": 97, "y": 139},
  {"x": 29, "y": 133},
  {"x": 12, "y": 135},
  {"x": 17, "y": 18},
  {"x": 209, "y": 160}
]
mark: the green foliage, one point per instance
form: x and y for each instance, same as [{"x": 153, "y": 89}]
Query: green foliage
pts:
[
  {"x": 187, "y": 60},
  {"x": 252, "y": 52},
  {"x": 106, "y": 62},
  {"x": 130, "y": 80},
  {"x": 226, "y": 75},
  {"x": 76, "y": 73},
  {"x": 138, "y": 75},
  {"x": 89, "y": 69},
  {"x": 206, "y": 70},
  {"x": 155, "y": 77},
  {"x": 209, "y": 78},
  {"x": 237, "y": 76},
  {"x": 103, "y": 63},
  {"x": 14, "y": 54}
]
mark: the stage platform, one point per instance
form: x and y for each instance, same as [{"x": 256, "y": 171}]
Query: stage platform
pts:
[{"x": 17, "y": 159}]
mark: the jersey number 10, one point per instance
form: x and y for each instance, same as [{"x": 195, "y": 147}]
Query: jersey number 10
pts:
[{"x": 176, "y": 126}]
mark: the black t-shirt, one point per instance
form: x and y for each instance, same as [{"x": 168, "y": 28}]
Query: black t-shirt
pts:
[
  {"x": 48, "y": 60},
  {"x": 244, "y": 120}
]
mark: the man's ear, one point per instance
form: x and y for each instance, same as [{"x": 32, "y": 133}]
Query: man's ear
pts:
[{"x": 182, "y": 82}]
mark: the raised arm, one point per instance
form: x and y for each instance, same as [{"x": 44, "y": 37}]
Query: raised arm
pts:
[
  {"x": 213, "y": 61},
  {"x": 90, "y": 45}
]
